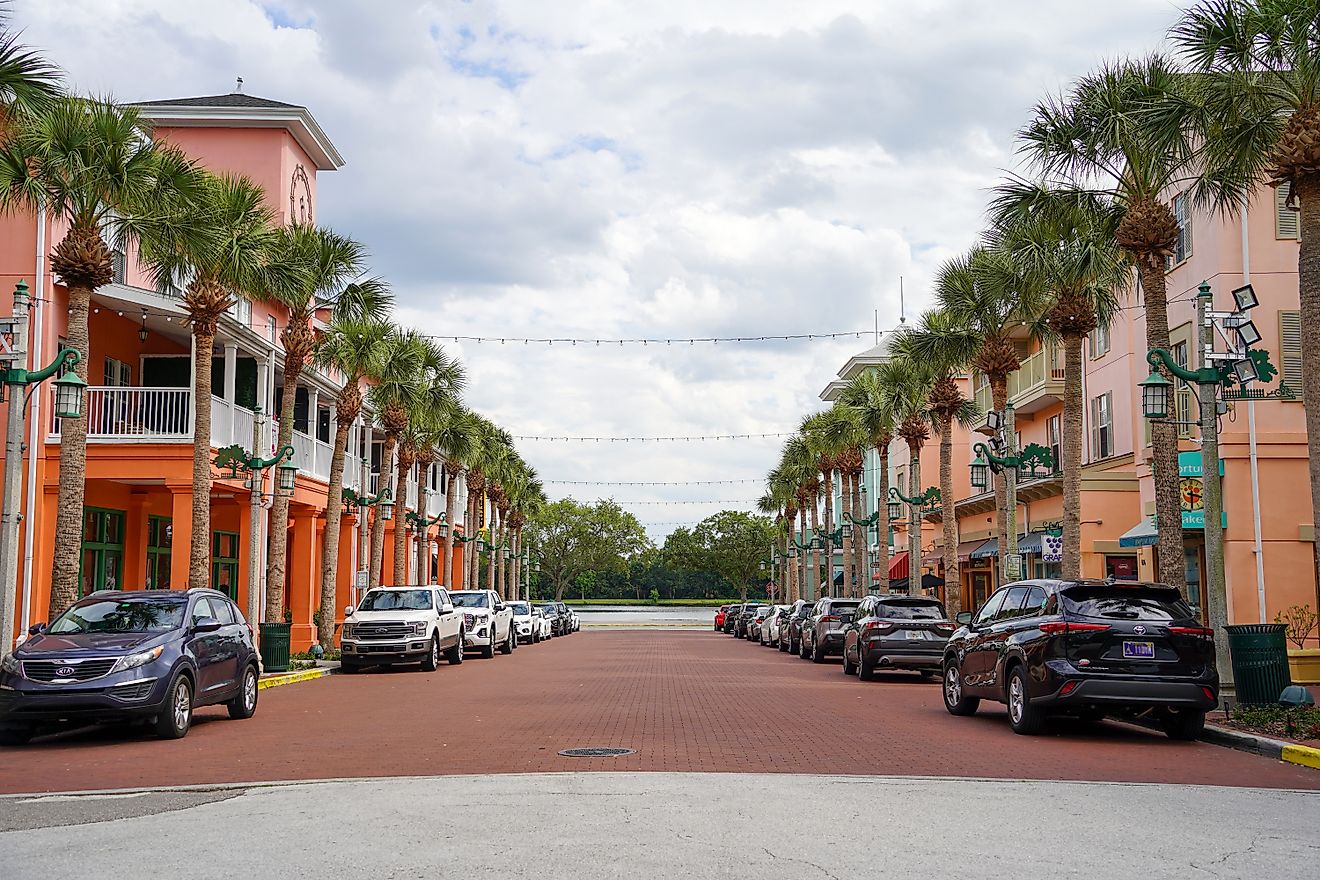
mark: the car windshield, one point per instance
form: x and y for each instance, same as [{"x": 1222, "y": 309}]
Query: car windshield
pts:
[
  {"x": 1125, "y": 603},
  {"x": 842, "y": 607},
  {"x": 911, "y": 609},
  {"x": 471, "y": 600},
  {"x": 122, "y": 616},
  {"x": 549, "y": 609},
  {"x": 520, "y": 608},
  {"x": 397, "y": 600}
]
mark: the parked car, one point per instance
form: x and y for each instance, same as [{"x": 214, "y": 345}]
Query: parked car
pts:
[
  {"x": 719, "y": 617},
  {"x": 730, "y": 626},
  {"x": 754, "y": 623},
  {"x": 773, "y": 625},
  {"x": 400, "y": 625},
  {"x": 542, "y": 622},
  {"x": 130, "y": 655},
  {"x": 745, "y": 619},
  {"x": 1087, "y": 648},
  {"x": 791, "y": 640},
  {"x": 557, "y": 621},
  {"x": 573, "y": 623},
  {"x": 896, "y": 632},
  {"x": 525, "y": 622},
  {"x": 822, "y": 633},
  {"x": 487, "y": 621}
]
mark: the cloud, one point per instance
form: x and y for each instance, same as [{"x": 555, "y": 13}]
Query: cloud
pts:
[{"x": 602, "y": 169}]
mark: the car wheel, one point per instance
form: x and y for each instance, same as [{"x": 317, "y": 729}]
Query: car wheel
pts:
[
  {"x": 783, "y": 646},
  {"x": 848, "y": 666},
  {"x": 803, "y": 651},
  {"x": 817, "y": 653},
  {"x": 455, "y": 654},
  {"x": 176, "y": 715},
  {"x": 955, "y": 699},
  {"x": 865, "y": 668},
  {"x": 488, "y": 650},
  {"x": 1183, "y": 724},
  {"x": 1024, "y": 718},
  {"x": 244, "y": 705},
  {"x": 509, "y": 643},
  {"x": 15, "y": 736},
  {"x": 432, "y": 660}
]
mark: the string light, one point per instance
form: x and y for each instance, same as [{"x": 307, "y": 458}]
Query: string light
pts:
[
  {"x": 688, "y": 439},
  {"x": 654, "y": 482},
  {"x": 648, "y": 341},
  {"x": 739, "y": 501}
]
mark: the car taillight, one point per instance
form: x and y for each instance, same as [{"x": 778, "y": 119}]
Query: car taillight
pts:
[
  {"x": 1209, "y": 694},
  {"x": 1063, "y": 626},
  {"x": 1200, "y": 632},
  {"x": 830, "y": 617},
  {"x": 878, "y": 626},
  {"x": 945, "y": 629},
  {"x": 1067, "y": 688}
]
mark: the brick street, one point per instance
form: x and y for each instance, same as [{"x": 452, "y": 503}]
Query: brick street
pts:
[{"x": 686, "y": 701}]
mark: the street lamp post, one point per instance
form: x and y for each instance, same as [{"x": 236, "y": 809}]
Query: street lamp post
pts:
[
  {"x": 422, "y": 524},
  {"x": 14, "y": 382},
  {"x": 927, "y": 499},
  {"x": 385, "y": 501},
  {"x": 1010, "y": 465}
]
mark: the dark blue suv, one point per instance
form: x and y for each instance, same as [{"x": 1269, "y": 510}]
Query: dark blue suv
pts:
[{"x": 140, "y": 654}]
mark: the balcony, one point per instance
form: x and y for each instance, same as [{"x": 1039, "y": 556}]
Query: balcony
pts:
[
  {"x": 1038, "y": 383},
  {"x": 123, "y": 414}
]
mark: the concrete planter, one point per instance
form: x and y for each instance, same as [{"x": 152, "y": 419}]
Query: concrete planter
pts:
[{"x": 1304, "y": 664}]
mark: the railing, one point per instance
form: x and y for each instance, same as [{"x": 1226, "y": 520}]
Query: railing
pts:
[
  {"x": 1044, "y": 366},
  {"x": 124, "y": 413},
  {"x": 302, "y": 451}
]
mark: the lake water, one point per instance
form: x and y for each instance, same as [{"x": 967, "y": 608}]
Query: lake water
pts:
[{"x": 644, "y": 617}]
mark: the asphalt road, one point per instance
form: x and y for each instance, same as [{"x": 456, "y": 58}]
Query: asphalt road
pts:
[
  {"x": 607, "y": 825},
  {"x": 685, "y": 701}
]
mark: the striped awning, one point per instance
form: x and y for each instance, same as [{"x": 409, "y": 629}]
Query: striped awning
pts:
[{"x": 1143, "y": 534}]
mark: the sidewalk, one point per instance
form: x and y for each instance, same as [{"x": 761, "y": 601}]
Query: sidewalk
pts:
[{"x": 276, "y": 679}]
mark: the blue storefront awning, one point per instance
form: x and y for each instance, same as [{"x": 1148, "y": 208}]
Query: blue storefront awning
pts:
[
  {"x": 987, "y": 550},
  {"x": 1027, "y": 544},
  {"x": 1143, "y": 534}
]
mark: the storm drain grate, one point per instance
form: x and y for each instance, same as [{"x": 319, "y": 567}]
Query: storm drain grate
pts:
[{"x": 596, "y": 753}]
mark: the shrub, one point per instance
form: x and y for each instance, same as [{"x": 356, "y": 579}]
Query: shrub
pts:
[{"x": 1301, "y": 622}]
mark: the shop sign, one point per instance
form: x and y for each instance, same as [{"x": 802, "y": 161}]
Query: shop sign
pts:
[
  {"x": 1191, "y": 490},
  {"x": 1013, "y": 566}
]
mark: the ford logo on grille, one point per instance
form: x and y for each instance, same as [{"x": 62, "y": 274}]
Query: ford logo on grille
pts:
[
  {"x": 1139, "y": 630},
  {"x": 64, "y": 671}
]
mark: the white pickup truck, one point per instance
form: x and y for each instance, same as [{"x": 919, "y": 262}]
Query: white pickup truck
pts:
[
  {"x": 487, "y": 621},
  {"x": 397, "y": 625}
]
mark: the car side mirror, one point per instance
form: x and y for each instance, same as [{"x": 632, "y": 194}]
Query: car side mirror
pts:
[
  {"x": 348, "y": 610},
  {"x": 447, "y": 608},
  {"x": 963, "y": 618},
  {"x": 499, "y": 606},
  {"x": 206, "y": 625},
  {"x": 36, "y": 629}
]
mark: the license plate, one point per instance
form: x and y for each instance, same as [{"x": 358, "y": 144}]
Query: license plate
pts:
[
  {"x": 916, "y": 634},
  {"x": 1139, "y": 650}
]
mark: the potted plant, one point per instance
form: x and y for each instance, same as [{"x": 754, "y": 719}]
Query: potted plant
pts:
[{"x": 1303, "y": 662}]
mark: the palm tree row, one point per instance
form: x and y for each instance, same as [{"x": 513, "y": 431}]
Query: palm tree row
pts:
[{"x": 95, "y": 166}]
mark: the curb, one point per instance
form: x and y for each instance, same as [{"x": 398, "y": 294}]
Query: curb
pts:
[
  {"x": 283, "y": 678},
  {"x": 1304, "y": 756}
]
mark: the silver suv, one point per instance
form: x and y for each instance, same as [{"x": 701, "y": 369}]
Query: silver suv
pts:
[{"x": 822, "y": 632}]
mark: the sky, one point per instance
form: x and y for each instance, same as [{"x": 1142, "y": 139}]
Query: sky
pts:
[{"x": 605, "y": 169}]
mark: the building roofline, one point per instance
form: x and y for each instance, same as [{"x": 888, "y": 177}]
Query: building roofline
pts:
[{"x": 298, "y": 121}]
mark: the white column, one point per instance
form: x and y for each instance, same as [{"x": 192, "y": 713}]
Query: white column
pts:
[
  {"x": 313, "y": 417},
  {"x": 231, "y": 386},
  {"x": 192, "y": 373}
]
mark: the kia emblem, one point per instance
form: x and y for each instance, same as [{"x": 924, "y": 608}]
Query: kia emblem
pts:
[
  {"x": 64, "y": 671},
  {"x": 1139, "y": 630}
]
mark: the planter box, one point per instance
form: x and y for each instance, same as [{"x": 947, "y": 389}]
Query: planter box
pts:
[{"x": 1304, "y": 664}]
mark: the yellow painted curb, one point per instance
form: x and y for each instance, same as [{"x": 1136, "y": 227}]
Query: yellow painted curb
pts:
[
  {"x": 271, "y": 681},
  {"x": 1304, "y": 755}
]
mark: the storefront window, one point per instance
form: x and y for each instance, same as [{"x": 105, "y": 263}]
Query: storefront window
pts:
[
  {"x": 224, "y": 563},
  {"x": 1192, "y": 564},
  {"x": 1121, "y": 568},
  {"x": 102, "y": 550},
  {"x": 160, "y": 539}
]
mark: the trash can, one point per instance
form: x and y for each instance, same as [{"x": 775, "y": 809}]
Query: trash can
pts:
[
  {"x": 1259, "y": 652},
  {"x": 275, "y": 647}
]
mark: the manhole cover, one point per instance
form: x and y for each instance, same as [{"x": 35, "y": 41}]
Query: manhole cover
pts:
[{"x": 596, "y": 753}]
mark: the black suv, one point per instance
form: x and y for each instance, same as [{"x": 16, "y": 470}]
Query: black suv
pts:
[
  {"x": 790, "y": 638},
  {"x": 1086, "y": 648},
  {"x": 558, "y": 622},
  {"x": 896, "y": 632},
  {"x": 731, "y": 618},
  {"x": 822, "y": 633},
  {"x": 115, "y": 655}
]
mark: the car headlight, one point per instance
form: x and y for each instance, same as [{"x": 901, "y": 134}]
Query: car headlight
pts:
[
  {"x": 347, "y": 631},
  {"x": 419, "y": 628},
  {"x": 133, "y": 661},
  {"x": 11, "y": 664}
]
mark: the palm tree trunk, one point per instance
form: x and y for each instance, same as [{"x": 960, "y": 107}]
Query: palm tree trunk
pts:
[
  {"x": 1163, "y": 436},
  {"x": 279, "y": 509},
  {"x": 494, "y": 539},
  {"x": 334, "y": 511},
  {"x": 1071, "y": 453},
  {"x": 401, "y": 520},
  {"x": 882, "y": 532},
  {"x": 814, "y": 581},
  {"x": 64, "y": 586},
  {"x": 914, "y": 521},
  {"x": 446, "y": 576},
  {"x": 999, "y": 400},
  {"x": 845, "y": 505},
  {"x": 1307, "y": 188},
  {"x": 948, "y": 520},
  {"x": 828, "y": 516},
  {"x": 377, "y": 522},
  {"x": 199, "y": 545}
]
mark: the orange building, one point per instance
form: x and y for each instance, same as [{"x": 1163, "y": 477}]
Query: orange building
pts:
[{"x": 139, "y": 405}]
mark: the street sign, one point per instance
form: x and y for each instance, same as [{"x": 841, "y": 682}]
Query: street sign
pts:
[
  {"x": 360, "y": 579},
  {"x": 1013, "y": 565}
]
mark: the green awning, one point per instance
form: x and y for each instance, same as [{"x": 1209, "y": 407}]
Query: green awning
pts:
[{"x": 1143, "y": 534}]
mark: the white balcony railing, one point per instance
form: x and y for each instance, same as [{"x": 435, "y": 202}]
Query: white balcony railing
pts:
[{"x": 123, "y": 413}]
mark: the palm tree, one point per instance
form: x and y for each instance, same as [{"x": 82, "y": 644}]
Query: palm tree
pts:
[
  {"x": 395, "y": 393},
  {"x": 947, "y": 406},
  {"x": 349, "y": 345},
  {"x": 458, "y": 437},
  {"x": 1255, "y": 111},
  {"x": 476, "y": 488},
  {"x": 28, "y": 82},
  {"x": 1101, "y": 140},
  {"x": 873, "y": 409},
  {"x": 326, "y": 263},
  {"x": 802, "y": 467},
  {"x": 94, "y": 166},
  {"x": 1068, "y": 248},
  {"x": 826, "y": 447},
  {"x": 780, "y": 496},
  {"x": 907, "y": 385},
  {"x": 840, "y": 433}
]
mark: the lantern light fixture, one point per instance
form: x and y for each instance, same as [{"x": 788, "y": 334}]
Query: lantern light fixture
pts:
[
  {"x": 980, "y": 474},
  {"x": 1155, "y": 396},
  {"x": 69, "y": 391}
]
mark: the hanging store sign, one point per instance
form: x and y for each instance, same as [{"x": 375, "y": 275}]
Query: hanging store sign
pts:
[{"x": 1191, "y": 490}]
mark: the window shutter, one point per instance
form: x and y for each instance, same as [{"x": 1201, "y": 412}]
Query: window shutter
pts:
[
  {"x": 1290, "y": 356},
  {"x": 1287, "y": 223}
]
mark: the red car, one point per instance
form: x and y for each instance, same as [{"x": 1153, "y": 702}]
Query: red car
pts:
[{"x": 719, "y": 617}]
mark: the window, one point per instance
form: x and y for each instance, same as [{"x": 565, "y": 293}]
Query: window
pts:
[
  {"x": 102, "y": 550},
  {"x": 1099, "y": 341},
  {"x": 1102, "y": 428},
  {"x": 272, "y": 329},
  {"x": 1054, "y": 437},
  {"x": 202, "y": 608},
  {"x": 1290, "y": 351},
  {"x": 1182, "y": 396},
  {"x": 160, "y": 540},
  {"x": 990, "y": 609},
  {"x": 241, "y": 310},
  {"x": 1035, "y": 602},
  {"x": 1182, "y": 249},
  {"x": 119, "y": 266},
  {"x": 224, "y": 612},
  {"x": 224, "y": 563},
  {"x": 117, "y": 373},
  {"x": 1012, "y": 603},
  {"x": 1287, "y": 221}
]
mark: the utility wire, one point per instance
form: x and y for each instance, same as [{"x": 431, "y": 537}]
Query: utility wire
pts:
[
  {"x": 688, "y": 439},
  {"x": 647, "y": 341}
]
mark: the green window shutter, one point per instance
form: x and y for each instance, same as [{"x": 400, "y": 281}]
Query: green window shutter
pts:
[
  {"x": 1287, "y": 223},
  {"x": 1290, "y": 355}
]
